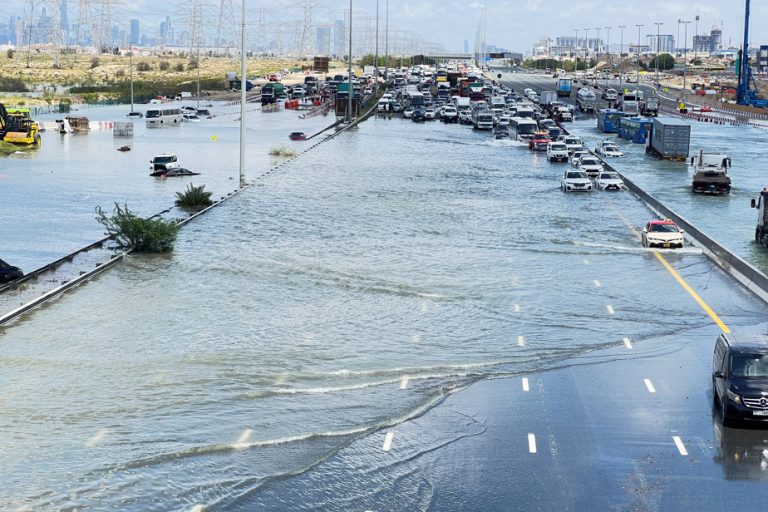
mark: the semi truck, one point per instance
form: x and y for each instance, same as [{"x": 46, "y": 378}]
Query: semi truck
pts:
[
  {"x": 650, "y": 106},
  {"x": 761, "y": 232},
  {"x": 585, "y": 99},
  {"x": 670, "y": 139}
]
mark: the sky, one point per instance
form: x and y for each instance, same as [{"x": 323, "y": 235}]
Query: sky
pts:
[{"x": 513, "y": 24}]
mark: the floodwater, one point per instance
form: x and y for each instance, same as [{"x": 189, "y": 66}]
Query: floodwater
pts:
[{"x": 351, "y": 290}]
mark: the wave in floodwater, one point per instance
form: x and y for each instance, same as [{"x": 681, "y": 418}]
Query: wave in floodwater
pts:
[{"x": 640, "y": 248}]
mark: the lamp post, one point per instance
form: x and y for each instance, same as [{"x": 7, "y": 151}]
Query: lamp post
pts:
[
  {"x": 597, "y": 54},
  {"x": 586, "y": 47},
  {"x": 695, "y": 38},
  {"x": 376, "y": 55},
  {"x": 610, "y": 61},
  {"x": 685, "y": 56},
  {"x": 386, "y": 43},
  {"x": 621, "y": 54},
  {"x": 242, "y": 94},
  {"x": 351, "y": 89},
  {"x": 658, "y": 47},
  {"x": 637, "y": 62},
  {"x": 576, "y": 52}
]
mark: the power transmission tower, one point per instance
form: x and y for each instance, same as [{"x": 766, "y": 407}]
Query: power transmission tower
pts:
[
  {"x": 227, "y": 23},
  {"x": 84, "y": 21}
]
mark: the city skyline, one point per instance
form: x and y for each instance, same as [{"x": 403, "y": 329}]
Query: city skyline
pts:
[{"x": 429, "y": 24}]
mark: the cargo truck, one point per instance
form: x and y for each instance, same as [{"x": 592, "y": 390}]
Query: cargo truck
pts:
[
  {"x": 546, "y": 98},
  {"x": 650, "y": 107},
  {"x": 585, "y": 100},
  {"x": 670, "y": 139},
  {"x": 564, "y": 87},
  {"x": 761, "y": 232}
]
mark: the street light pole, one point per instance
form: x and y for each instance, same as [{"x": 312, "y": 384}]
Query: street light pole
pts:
[
  {"x": 621, "y": 54},
  {"x": 376, "y": 55},
  {"x": 610, "y": 61},
  {"x": 685, "y": 57},
  {"x": 637, "y": 50},
  {"x": 576, "y": 52},
  {"x": 242, "y": 94},
  {"x": 658, "y": 47},
  {"x": 386, "y": 43},
  {"x": 695, "y": 38},
  {"x": 586, "y": 47}
]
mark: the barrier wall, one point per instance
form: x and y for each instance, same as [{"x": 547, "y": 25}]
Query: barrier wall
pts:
[{"x": 754, "y": 280}]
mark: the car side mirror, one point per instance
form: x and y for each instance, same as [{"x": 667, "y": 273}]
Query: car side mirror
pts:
[
  {"x": 645, "y": 230},
  {"x": 753, "y": 203},
  {"x": 718, "y": 375}
]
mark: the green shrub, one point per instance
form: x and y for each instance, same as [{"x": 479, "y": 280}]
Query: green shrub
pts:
[
  {"x": 194, "y": 197},
  {"x": 95, "y": 62},
  {"x": 143, "y": 66},
  {"x": 282, "y": 151},
  {"x": 179, "y": 67},
  {"x": 164, "y": 65},
  {"x": 139, "y": 234}
]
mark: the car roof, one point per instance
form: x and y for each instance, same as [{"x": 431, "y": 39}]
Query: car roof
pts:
[
  {"x": 667, "y": 221},
  {"x": 747, "y": 342}
]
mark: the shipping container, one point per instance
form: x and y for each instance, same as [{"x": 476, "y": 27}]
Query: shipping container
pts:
[{"x": 670, "y": 139}]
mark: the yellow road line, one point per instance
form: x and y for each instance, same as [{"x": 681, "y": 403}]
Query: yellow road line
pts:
[
  {"x": 679, "y": 279},
  {"x": 690, "y": 290}
]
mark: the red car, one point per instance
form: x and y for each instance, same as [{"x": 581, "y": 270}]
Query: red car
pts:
[
  {"x": 539, "y": 141},
  {"x": 297, "y": 136}
]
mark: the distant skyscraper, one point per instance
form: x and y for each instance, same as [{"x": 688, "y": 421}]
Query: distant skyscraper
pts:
[
  {"x": 169, "y": 35},
  {"x": 466, "y": 47},
  {"x": 163, "y": 32},
  {"x": 323, "y": 45},
  {"x": 715, "y": 39},
  {"x": 339, "y": 38},
  {"x": 12, "y": 30},
  {"x": 135, "y": 31}
]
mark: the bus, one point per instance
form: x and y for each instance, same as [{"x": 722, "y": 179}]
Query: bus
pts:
[{"x": 163, "y": 116}]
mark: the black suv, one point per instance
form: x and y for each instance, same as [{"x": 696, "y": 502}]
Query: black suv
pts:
[
  {"x": 740, "y": 376},
  {"x": 9, "y": 273}
]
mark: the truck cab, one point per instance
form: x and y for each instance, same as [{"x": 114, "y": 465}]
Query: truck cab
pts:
[{"x": 761, "y": 233}]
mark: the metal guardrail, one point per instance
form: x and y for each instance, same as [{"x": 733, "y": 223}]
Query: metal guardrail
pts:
[{"x": 101, "y": 267}]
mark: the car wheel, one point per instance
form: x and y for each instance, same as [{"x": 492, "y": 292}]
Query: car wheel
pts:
[{"x": 726, "y": 418}]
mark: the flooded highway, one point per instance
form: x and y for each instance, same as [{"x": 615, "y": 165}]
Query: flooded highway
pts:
[{"x": 407, "y": 317}]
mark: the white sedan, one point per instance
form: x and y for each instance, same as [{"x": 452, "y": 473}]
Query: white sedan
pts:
[
  {"x": 662, "y": 233},
  {"x": 574, "y": 180},
  {"x": 576, "y": 154},
  {"x": 590, "y": 165},
  {"x": 608, "y": 180},
  {"x": 609, "y": 150}
]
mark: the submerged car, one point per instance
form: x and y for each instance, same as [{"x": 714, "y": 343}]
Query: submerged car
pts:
[
  {"x": 663, "y": 234},
  {"x": 740, "y": 377},
  {"x": 9, "y": 273},
  {"x": 574, "y": 180},
  {"x": 609, "y": 150},
  {"x": 297, "y": 136},
  {"x": 173, "y": 172},
  {"x": 591, "y": 165},
  {"x": 607, "y": 180}
]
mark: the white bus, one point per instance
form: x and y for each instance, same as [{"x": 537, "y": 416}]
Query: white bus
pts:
[{"x": 163, "y": 116}]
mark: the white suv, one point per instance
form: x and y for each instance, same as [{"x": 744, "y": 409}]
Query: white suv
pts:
[{"x": 557, "y": 152}]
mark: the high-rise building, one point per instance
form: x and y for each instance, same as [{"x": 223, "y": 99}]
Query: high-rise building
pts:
[
  {"x": 163, "y": 33},
  {"x": 466, "y": 47},
  {"x": 339, "y": 38},
  {"x": 135, "y": 35},
  {"x": 323, "y": 43},
  {"x": 762, "y": 59},
  {"x": 702, "y": 43},
  {"x": 715, "y": 39},
  {"x": 12, "y": 30},
  {"x": 662, "y": 43}
]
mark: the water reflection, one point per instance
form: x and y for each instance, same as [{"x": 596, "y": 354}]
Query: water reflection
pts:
[{"x": 741, "y": 452}]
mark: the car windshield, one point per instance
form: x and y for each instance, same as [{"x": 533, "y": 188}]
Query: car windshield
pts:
[
  {"x": 663, "y": 228},
  {"x": 153, "y": 113},
  {"x": 164, "y": 159},
  {"x": 558, "y": 147},
  {"x": 575, "y": 175},
  {"x": 608, "y": 176},
  {"x": 588, "y": 161},
  {"x": 749, "y": 365}
]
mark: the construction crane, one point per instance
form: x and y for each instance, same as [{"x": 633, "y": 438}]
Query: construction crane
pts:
[{"x": 744, "y": 94}]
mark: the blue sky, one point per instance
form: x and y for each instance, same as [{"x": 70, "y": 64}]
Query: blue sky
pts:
[{"x": 514, "y": 24}]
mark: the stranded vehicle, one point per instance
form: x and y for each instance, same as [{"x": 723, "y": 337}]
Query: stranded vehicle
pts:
[
  {"x": 557, "y": 152},
  {"x": 711, "y": 173},
  {"x": 574, "y": 180},
  {"x": 663, "y": 234},
  {"x": 740, "y": 376}
]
